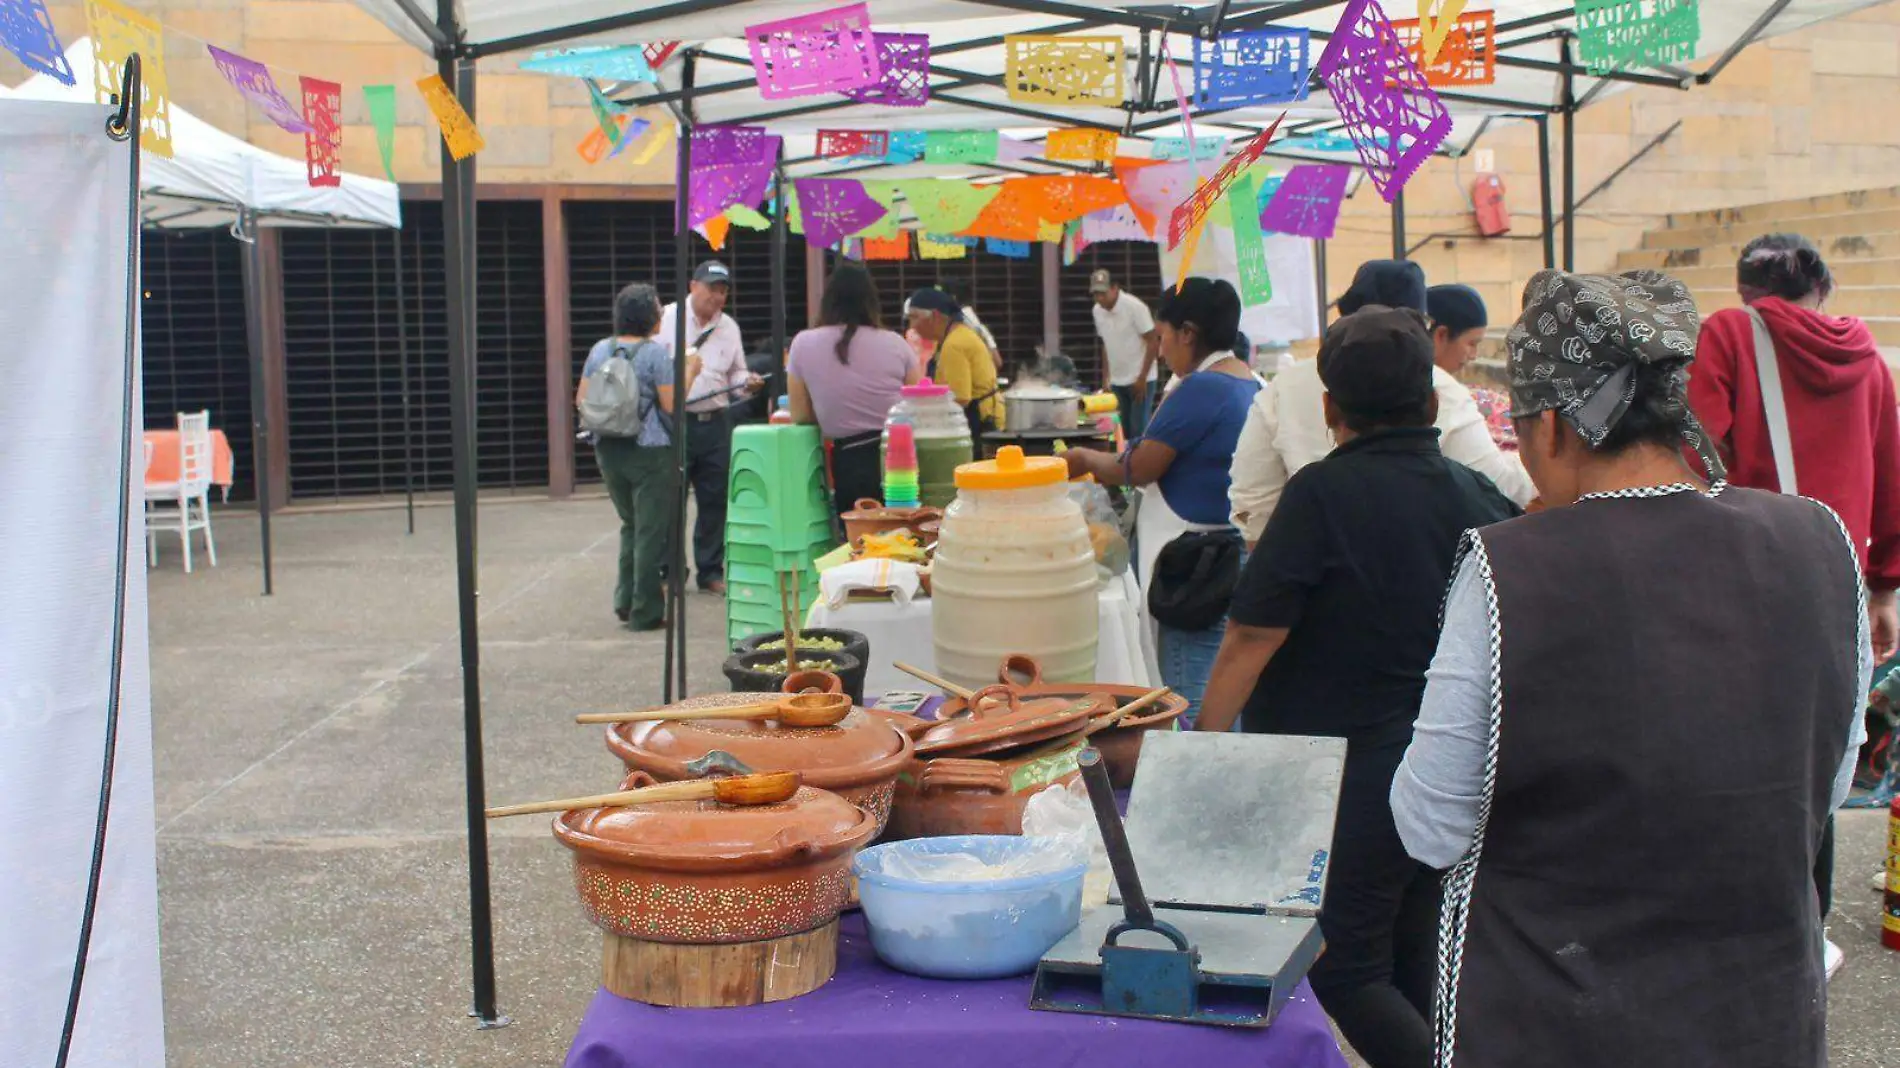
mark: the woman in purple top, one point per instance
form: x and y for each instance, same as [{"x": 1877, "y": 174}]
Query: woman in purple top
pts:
[{"x": 844, "y": 376}]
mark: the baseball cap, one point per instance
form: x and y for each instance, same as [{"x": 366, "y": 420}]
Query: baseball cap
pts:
[
  {"x": 1100, "y": 282},
  {"x": 1378, "y": 361},
  {"x": 712, "y": 272}
]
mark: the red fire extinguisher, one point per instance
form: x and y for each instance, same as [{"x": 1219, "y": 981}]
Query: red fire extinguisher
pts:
[{"x": 1487, "y": 195}]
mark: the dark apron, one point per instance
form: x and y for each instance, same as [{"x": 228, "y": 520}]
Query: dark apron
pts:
[{"x": 1677, "y": 676}]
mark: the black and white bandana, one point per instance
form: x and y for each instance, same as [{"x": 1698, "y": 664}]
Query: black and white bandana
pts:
[{"x": 1576, "y": 347}]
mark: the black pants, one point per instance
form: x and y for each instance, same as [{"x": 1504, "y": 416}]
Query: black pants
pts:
[
  {"x": 857, "y": 469},
  {"x": 1824, "y": 870},
  {"x": 1380, "y": 921},
  {"x": 708, "y": 461}
]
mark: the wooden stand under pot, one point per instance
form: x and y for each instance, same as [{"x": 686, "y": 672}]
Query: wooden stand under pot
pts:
[
  {"x": 704, "y": 905},
  {"x": 719, "y": 977}
]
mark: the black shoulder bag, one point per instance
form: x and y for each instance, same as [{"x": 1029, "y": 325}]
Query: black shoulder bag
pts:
[{"x": 1194, "y": 579}]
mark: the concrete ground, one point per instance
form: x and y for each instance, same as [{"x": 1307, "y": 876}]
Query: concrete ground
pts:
[{"x": 312, "y": 866}]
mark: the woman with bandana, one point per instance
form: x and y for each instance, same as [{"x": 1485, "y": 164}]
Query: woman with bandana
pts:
[{"x": 1631, "y": 833}]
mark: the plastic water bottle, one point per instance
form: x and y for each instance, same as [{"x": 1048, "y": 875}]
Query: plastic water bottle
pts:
[{"x": 782, "y": 415}]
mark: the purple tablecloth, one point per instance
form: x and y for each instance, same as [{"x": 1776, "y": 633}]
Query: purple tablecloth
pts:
[{"x": 870, "y": 1016}]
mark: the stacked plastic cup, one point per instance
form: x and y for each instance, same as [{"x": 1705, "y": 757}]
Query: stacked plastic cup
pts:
[{"x": 900, "y": 468}]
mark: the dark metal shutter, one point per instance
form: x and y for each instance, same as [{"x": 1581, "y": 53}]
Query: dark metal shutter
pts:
[
  {"x": 344, "y": 366},
  {"x": 1136, "y": 267},
  {"x": 1005, "y": 293},
  {"x": 611, "y": 243},
  {"x": 196, "y": 354}
]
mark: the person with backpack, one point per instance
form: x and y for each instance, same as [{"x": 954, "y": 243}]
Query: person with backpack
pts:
[{"x": 626, "y": 401}]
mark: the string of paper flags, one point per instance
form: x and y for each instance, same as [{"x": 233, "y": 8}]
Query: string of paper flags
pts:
[{"x": 1381, "y": 74}]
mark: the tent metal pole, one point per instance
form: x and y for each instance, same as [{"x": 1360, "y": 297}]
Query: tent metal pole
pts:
[
  {"x": 260, "y": 400},
  {"x": 1747, "y": 38},
  {"x": 1398, "y": 225},
  {"x": 779, "y": 311},
  {"x": 675, "y": 686},
  {"x": 1543, "y": 189},
  {"x": 1319, "y": 275},
  {"x": 1569, "y": 112},
  {"x": 402, "y": 348},
  {"x": 458, "y": 247}
]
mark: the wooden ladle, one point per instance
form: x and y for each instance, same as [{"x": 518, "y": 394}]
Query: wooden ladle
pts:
[
  {"x": 767, "y": 788},
  {"x": 793, "y": 710}
]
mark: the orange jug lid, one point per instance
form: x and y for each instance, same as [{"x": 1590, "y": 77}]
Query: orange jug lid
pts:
[{"x": 1012, "y": 470}]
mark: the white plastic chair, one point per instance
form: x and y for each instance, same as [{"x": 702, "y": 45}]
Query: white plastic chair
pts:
[{"x": 185, "y": 505}]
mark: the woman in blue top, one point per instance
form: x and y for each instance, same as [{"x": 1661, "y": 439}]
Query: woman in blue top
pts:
[{"x": 1189, "y": 447}]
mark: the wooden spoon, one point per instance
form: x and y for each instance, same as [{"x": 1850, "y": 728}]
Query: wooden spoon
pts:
[
  {"x": 945, "y": 685},
  {"x": 794, "y": 710},
  {"x": 764, "y": 789},
  {"x": 1102, "y": 723}
]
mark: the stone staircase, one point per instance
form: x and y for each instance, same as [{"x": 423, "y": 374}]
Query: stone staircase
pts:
[{"x": 1858, "y": 234}]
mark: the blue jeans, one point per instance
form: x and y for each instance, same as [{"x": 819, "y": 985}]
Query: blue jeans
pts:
[
  {"x": 1134, "y": 416},
  {"x": 1187, "y": 659}
]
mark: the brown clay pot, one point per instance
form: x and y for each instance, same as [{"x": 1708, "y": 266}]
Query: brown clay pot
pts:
[
  {"x": 958, "y": 796},
  {"x": 869, "y": 516},
  {"x": 701, "y": 872},
  {"x": 1121, "y": 744},
  {"x": 996, "y": 720},
  {"x": 812, "y": 682},
  {"x": 858, "y": 759}
]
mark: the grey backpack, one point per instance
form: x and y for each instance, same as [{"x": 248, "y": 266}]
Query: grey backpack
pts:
[{"x": 616, "y": 401}]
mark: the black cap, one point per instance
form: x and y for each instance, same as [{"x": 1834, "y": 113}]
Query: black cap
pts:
[
  {"x": 1393, "y": 283},
  {"x": 1457, "y": 308},
  {"x": 1378, "y": 362},
  {"x": 712, "y": 273}
]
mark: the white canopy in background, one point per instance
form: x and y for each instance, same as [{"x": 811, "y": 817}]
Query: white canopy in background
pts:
[
  {"x": 212, "y": 175},
  {"x": 1529, "y": 79}
]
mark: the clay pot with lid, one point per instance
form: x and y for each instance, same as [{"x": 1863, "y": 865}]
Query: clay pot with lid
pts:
[
  {"x": 858, "y": 759},
  {"x": 952, "y": 795},
  {"x": 701, "y": 872},
  {"x": 1120, "y": 745},
  {"x": 977, "y": 769},
  {"x": 869, "y": 516},
  {"x": 996, "y": 719}
]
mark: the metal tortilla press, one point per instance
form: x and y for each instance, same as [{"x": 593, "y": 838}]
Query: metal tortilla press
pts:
[{"x": 1235, "y": 830}]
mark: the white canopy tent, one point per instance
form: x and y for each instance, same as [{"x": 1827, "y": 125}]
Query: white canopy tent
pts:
[
  {"x": 967, "y": 57},
  {"x": 709, "y": 80},
  {"x": 212, "y": 177}
]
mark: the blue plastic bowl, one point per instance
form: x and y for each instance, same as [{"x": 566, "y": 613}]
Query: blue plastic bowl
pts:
[{"x": 970, "y": 930}]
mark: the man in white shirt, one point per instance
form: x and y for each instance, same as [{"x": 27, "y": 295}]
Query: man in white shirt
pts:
[
  {"x": 717, "y": 378},
  {"x": 1286, "y": 427},
  {"x": 1130, "y": 349}
]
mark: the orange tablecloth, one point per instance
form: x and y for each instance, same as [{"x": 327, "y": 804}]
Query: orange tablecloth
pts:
[{"x": 164, "y": 468}]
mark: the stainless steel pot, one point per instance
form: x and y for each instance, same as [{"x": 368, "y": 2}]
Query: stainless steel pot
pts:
[{"x": 1041, "y": 408}]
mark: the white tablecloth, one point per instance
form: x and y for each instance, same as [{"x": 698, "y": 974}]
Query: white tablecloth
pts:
[{"x": 1124, "y": 654}]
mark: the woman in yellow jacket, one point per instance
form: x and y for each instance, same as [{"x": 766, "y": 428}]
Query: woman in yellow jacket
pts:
[{"x": 962, "y": 361}]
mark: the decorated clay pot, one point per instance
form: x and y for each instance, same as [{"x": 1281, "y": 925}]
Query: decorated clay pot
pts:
[
  {"x": 702, "y": 872},
  {"x": 858, "y": 759},
  {"x": 950, "y": 796}
]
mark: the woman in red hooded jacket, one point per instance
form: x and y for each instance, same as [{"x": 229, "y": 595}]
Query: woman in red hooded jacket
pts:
[{"x": 1843, "y": 428}]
